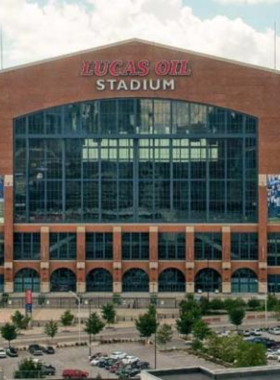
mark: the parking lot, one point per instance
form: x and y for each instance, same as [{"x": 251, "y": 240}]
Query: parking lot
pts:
[{"x": 77, "y": 358}]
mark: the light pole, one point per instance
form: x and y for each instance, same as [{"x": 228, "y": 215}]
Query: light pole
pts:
[
  {"x": 79, "y": 312},
  {"x": 155, "y": 305},
  {"x": 265, "y": 302}
]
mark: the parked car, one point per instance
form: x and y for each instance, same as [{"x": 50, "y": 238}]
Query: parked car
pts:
[
  {"x": 225, "y": 333},
  {"x": 96, "y": 355},
  {"x": 2, "y": 353},
  {"x": 116, "y": 366},
  {"x": 268, "y": 343},
  {"x": 118, "y": 355},
  {"x": 272, "y": 355},
  {"x": 35, "y": 349},
  {"x": 74, "y": 374},
  {"x": 274, "y": 331},
  {"x": 247, "y": 333},
  {"x": 97, "y": 360},
  {"x": 49, "y": 350},
  {"x": 130, "y": 359},
  {"x": 141, "y": 365},
  {"x": 256, "y": 332},
  {"x": 12, "y": 352},
  {"x": 48, "y": 370}
]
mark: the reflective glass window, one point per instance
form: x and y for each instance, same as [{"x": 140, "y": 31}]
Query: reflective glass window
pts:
[
  {"x": 99, "y": 246},
  {"x": 135, "y": 160},
  {"x": 244, "y": 246},
  {"x": 171, "y": 246},
  {"x": 63, "y": 246},
  {"x": 27, "y": 246}
]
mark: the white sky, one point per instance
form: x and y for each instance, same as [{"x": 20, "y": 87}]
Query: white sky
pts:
[{"x": 38, "y": 29}]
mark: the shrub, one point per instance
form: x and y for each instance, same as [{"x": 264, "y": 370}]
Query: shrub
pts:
[
  {"x": 217, "y": 304},
  {"x": 254, "y": 304},
  {"x": 197, "y": 345},
  {"x": 250, "y": 355}
]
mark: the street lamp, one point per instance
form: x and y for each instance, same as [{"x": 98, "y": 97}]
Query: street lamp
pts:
[
  {"x": 265, "y": 302},
  {"x": 79, "y": 312}
]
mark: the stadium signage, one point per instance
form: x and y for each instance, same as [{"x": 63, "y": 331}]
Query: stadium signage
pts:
[{"x": 130, "y": 75}]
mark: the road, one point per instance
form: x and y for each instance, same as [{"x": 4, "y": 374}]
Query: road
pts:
[{"x": 70, "y": 336}]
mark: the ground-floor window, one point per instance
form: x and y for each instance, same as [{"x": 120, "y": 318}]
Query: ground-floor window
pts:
[
  {"x": 135, "y": 280},
  {"x": 244, "y": 280},
  {"x": 27, "y": 279},
  {"x": 171, "y": 280},
  {"x": 99, "y": 280},
  {"x": 208, "y": 280},
  {"x": 63, "y": 280}
]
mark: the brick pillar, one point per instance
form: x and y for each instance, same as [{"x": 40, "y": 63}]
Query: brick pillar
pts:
[
  {"x": 262, "y": 233},
  {"x": 190, "y": 261},
  {"x": 81, "y": 260},
  {"x": 153, "y": 259},
  {"x": 45, "y": 256},
  {"x": 8, "y": 233},
  {"x": 226, "y": 260},
  {"x": 117, "y": 260}
]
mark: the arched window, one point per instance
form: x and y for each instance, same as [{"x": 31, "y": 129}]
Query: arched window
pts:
[
  {"x": 171, "y": 280},
  {"x": 99, "y": 280},
  {"x": 135, "y": 280},
  {"x": 27, "y": 279},
  {"x": 244, "y": 280},
  {"x": 208, "y": 280},
  {"x": 63, "y": 280}
]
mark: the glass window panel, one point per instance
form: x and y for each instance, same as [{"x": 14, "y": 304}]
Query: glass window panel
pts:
[{"x": 195, "y": 177}]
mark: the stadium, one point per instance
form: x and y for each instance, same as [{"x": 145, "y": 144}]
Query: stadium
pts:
[{"x": 140, "y": 169}]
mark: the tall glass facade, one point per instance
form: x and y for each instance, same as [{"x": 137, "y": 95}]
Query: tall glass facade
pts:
[{"x": 135, "y": 160}]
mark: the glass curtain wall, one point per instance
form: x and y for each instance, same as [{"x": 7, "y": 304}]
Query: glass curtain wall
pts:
[{"x": 135, "y": 160}]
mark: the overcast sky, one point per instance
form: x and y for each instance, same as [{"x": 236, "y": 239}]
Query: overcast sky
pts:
[{"x": 236, "y": 29}]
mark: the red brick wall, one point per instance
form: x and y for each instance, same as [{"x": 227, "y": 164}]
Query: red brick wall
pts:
[{"x": 216, "y": 82}]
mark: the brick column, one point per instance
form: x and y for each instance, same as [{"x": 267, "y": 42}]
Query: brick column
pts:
[
  {"x": 45, "y": 256},
  {"x": 226, "y": 260},
  {"x": 81, "y": 260},
  {"x": 190, "y": 262},
  {"x": 262, "y": 233},
  {"x": 153, "y": 259},
  {"x": 8, "y": 234},
  {"x": 117, "y": 260}
]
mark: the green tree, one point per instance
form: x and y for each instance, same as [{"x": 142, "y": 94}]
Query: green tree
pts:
[
  {"x": 51, "y": 328},
  {"x": 189, "y": 312},
  {"x": 190, "y": 305},
  {"x": 20, "y": 321},
  {"x": 28, "y": 369},
  {"x": 109, "y": 313},
  {"x": 9, "y": 332},
  {"x": 146, "y": 324},
  {"x": 201, "y": 330},
  {"x": 67, "y": 318},
  {"x": 236, "y": 316},
  {"x": 93, "y": 326},
  {"x": 250, "y": 355},
  {"x": 185, "y": 322},
  {"x": 164, "y": 334}
]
